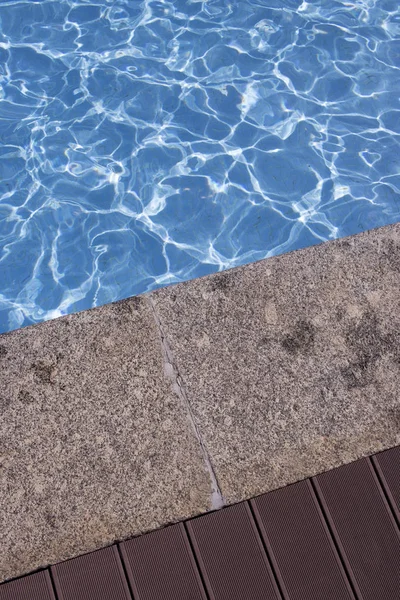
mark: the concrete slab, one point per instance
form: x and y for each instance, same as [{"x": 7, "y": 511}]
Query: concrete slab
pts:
[
  {"x": 291, "y": 365},
  {"x": 95, "y": 445}
]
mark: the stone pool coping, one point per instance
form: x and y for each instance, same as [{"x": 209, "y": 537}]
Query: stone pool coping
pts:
[{"x": 127, "y": 417}]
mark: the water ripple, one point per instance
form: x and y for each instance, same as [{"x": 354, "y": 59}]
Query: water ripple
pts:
[{"x": 146, "y": 143}]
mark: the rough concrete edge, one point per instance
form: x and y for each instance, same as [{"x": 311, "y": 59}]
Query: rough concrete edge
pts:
[
  {"x": 315, "y": 247},
  {"x": 172, "y": 373},
  {"x": 319, "y": 246}
]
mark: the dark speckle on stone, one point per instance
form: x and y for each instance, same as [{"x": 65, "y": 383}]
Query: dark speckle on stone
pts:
[
  {"x": 301, "y": 339},
  {"x": 392, "y": 341},
  {"x": 365, "y": 339},
  {"x": 3, "y": 352},
  {"x": 222, "y": 281},
  {"x": 43, "y": 372},
  {"x": 390, "y": 256},
  {"x": 265, "y": 340},
  {"x": 50, "y": 519},
  {"x": 339, "y": 313},
  {"x": 4, "y": 402},
  {"x": 357, "y": 375},
  {"x": 130, "y": 305},
  {"x": 25, "y": 397},
  {"x": 135, "y": 303},
  {"x": 368, "y": 343},
  {"x": 394, "y": 416}
]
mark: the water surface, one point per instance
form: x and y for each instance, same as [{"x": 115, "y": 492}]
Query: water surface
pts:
[{"x": 146, "y": 143}]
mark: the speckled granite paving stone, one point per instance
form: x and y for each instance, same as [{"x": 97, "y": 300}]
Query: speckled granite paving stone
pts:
[
  {"x": 291, "y": 365},
  {"x": 94, "y": 443}
]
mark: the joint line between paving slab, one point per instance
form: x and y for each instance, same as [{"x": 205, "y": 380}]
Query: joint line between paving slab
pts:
[{"x": 172, "y": 372}]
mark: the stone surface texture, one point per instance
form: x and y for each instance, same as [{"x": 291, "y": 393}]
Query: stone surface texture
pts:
[
  {"x": 95, "y": 445},
  {"x": 291, "y": 365},
  {"x": 121, "y": 419}
]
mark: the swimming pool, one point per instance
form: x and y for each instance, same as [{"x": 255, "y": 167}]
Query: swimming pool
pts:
[{"x": 146, "y": 143}]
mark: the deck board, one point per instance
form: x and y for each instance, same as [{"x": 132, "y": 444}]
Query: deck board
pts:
[
  {"x": 95, "y": 576},
  {"x": 231, "y": 556},
  {"x": 32, "y": 587},
  {"x": 364, "y": 527},
  {"x": 388, "y": 465},
  {"x": 300, "y": 546},
  {"x": 161, "y": 566}
]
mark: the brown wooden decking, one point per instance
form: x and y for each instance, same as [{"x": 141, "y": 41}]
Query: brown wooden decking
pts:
[{"x": 333, "y": 537}]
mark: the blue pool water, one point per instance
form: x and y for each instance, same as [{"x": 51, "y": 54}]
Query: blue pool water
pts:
[{"x": 149, "y": 142}]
